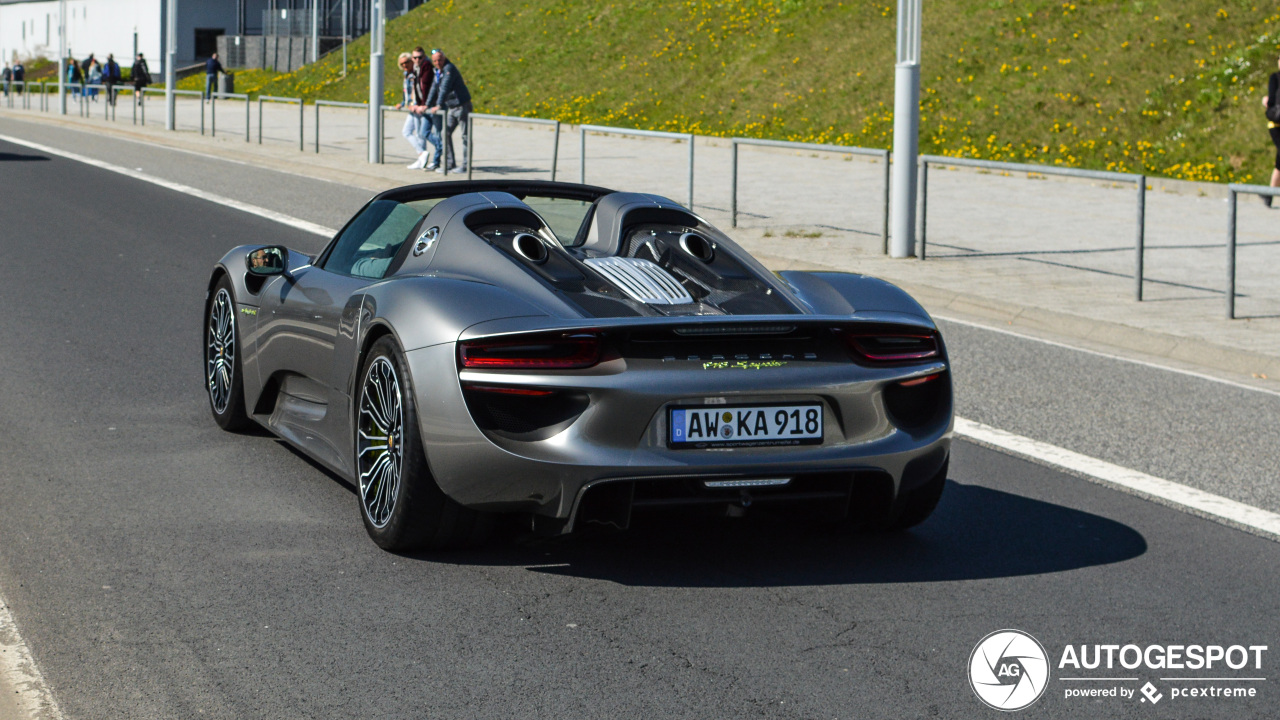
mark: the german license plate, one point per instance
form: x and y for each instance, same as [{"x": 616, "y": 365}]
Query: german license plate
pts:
[{"x": 745, "y": 425}]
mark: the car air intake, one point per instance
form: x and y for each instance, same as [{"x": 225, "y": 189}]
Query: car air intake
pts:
[{"x": 641, "y": 280}]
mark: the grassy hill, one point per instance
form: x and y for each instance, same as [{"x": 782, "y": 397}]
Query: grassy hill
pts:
[{"x": 1166, "y": 87}]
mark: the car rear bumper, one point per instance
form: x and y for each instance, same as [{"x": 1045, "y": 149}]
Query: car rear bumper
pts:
[{"x": 621, "y": 435}]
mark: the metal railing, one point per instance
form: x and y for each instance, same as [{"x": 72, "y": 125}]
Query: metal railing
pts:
[
  {"x": 213, "y": 112},
  {"x": 471, "y": 137},
  {"x": 1233, "y": 190},
  {"x": 302, "y": 111},
  {"x": 333, "y": 103},
  {"x": 847, "y": 150},
  {"x": 1140, "y": 180},
  {"x": 605, "y": 130}
]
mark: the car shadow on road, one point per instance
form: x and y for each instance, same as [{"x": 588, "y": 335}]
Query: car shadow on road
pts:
[
  {"x": 16, "y": 157},
  {"x": 975, "y": 533}
]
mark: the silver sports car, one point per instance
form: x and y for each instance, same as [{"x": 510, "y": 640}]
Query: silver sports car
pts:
[{"x": 577, "y": 356}]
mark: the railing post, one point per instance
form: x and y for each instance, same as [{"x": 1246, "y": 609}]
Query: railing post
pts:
[
  {"x": 142, "y": 103},
  {"x": 259, "y": 119},
  {"x": 733, "y": 185},
  {"x": 582, "y": 154},
  {"x": 302, "y": 122},
  {"x": 1140, "y": 241},
  {"x": 317, "y": 127},
  {"x": 248, "y": 122},
  {"x": 555, "y": 151},
  {"x": 202, "y": 114},
  {"x": 884, "y": 220},
  {"x": 1231, "y": 253},
  {"x": 691, "y": 136},
  {"x": 213, "y": 115},
  {"x": 471, "y": 144},
  {"x": 923, "y": 192}
]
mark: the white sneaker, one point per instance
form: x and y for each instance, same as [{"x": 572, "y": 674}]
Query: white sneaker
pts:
[
  {"x": 419, "y": 163},
  {"x": 432, "y": 165},
  {"x": 455, "y": 170},
  {"x": 440, "y": 170}
]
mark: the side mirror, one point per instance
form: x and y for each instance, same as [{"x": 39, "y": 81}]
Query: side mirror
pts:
[{"x": 267, "y": 261}]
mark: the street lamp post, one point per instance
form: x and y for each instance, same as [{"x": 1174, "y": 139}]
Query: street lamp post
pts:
[
  {"x": 170, "y": 59},
  {"x": 377, "y": 37},
  {"x": 315, "y": 30},
  {"x": 906, "y": 129}
]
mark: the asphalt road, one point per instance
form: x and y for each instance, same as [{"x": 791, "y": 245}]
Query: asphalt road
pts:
[{"x": 161, "y": 568}]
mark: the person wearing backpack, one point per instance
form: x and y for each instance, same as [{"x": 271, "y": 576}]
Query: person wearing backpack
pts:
[
  {"x": 111, "y": 76},
  {"x": 1272, "y": 103},
  {"x": 141, "y": 77}
]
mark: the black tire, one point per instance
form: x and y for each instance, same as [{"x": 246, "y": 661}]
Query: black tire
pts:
[
  {"x": 873, "y": 507},
  {"x": 402, "y": 506},
  {"x": 224, "y": 383}
]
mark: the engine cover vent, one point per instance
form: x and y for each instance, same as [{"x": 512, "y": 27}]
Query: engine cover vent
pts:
[{"x": 641, "y": 280}]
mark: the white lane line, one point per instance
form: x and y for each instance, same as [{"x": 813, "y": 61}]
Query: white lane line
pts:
[
  {"x": 1099, "y": 470},
  {"x": 261, "y": 212},
  {"x": 1109, "y": 356},
  {"x": 18, "y": 671},
  {"x": 1105, "y": 473}
]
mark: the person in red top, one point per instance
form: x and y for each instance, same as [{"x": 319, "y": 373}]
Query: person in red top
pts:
[{"x": 1273, "y": 98}]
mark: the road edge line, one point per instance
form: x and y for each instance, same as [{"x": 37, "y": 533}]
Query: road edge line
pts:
[
  {"x": 1166, "y": 492},
  {"x": 261, "y": 212},
  {"x": 18, "y": 669}
]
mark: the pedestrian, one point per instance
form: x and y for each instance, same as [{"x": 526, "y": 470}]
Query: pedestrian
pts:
[
  {"x": 95, "y": 78},
  {"x": 426, "y": 78},
  {"x": 211, "y": 69},
  {"x": 84, "y": 73},
  {"x": 6, "y": 76},
  {"x": 449, "y": 91},
  {"x": 1272, "y": 103},
  {"x": 20, "y": 77},
  {"x": 141, "y": 77},
  {"x": 111, "y": 76},
  {"x": 74, "y": 75},
  {"x": 413, "y": 104}
]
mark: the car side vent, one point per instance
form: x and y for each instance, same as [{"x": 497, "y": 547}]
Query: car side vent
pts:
[{"x": 641, "y": 280}]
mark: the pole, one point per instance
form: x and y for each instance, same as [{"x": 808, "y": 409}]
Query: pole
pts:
[
  {"x": 377, "y": 29},
  {"x": 62, "y": 57},
  {"x": 315, "y": 30},
  {"x": 317, "y": 127},
  {"x": 1141, "y": 239},
  {"x": 471, "y": 145},
  {"x": 582, "y": 155},
  {"x": 302, "y": 122},
  {"x": 884, "y": 212},
  {"x": 906, "y": 128},
  {"x": 248, "y": 123},
  {"x": 923, "y": 171},
  {"x": 170, "y": 60},
  {"x": 213, "y": 115},
  {"x": 555, "y": 151},
  {"x": 344, "y": 38},
  {"x": 690, "y": 171},
  {"x": 733, "y": 188},
  {"x": 1231, "y": 254}
]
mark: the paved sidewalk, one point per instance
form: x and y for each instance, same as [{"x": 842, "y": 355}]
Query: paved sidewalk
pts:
[{"x": 1051, "y": 257}]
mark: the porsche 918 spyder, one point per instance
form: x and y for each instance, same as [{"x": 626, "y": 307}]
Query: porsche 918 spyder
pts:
[{"x": 577, "y": 356}]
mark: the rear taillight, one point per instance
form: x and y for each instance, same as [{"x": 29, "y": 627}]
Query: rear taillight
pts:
[
  {"x": 891, "y": 347},
  {"x": 541, "y": 352}
]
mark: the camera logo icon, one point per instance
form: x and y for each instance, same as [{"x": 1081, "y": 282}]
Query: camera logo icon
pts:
[{"x": 1008, "y": 670}]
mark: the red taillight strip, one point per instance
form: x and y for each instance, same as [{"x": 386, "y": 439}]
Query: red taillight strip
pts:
[
  {"x": 920, "y": 380},
  {"x": 893, "y": 357},
  {"x": 572, "y": 352}
]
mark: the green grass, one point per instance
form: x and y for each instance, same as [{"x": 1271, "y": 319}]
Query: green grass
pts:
[{"x": 1169, "y": 88}]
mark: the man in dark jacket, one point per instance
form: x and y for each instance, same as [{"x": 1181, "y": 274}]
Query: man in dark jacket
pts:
[
  {"x": 141, "y": 77},
  {"x": 211, "y": 69},
  {"x": 111, "y": 76},
  {"x": 449, "y": 91},
  {"x": 6, "y": 76},
  {"x": 20, "y": 76}
]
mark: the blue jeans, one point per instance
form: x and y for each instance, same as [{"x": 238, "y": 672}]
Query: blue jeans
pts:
[
  {"x": 415, "y": 128},
  {"x": 210, "y": 85},
  {"x": 433, "y": 137}
]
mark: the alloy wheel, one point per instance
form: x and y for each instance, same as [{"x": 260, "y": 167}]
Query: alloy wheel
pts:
[{"x": 379, "y": 442}]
